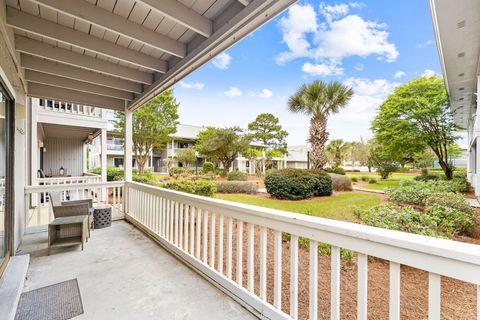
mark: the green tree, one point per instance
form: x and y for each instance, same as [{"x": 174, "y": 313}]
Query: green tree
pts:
[
  {"x": 186, "y": 156},
  {"x": 382, "y": 161},
  {"x": 414, "y": 117},
  {"x": 222, "y": 145},
  {"x": 152, "y": 125},
  {"x": 267, "y": 130},
  {"x": 319, "y": 100},
  {"x": 337, "y": 151}
]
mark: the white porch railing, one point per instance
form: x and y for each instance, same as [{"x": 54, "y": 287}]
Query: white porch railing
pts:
[
  {"x": 59, "y": 106},
  {"x": 201, "y": 232},
  {"x": 40, "y": 211},
  {"x": 69, "y": 180}
]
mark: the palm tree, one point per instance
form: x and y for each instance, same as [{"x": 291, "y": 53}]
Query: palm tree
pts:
[
  {"x": 319, "y": 100},
  {"x": 338, "y": 150}
]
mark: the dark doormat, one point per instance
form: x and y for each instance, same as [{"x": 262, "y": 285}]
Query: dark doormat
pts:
[{"x": 60, "y": 301}]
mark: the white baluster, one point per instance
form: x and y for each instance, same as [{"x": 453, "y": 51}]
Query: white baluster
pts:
[
  {"x": 277, "y": 280},
  {"x": 394, "y": 303},
  {"x": 313, "y": 282},
  {"x": 294, "y": 276},
  {"x": 362, "y": 290},
  {"x": 434, "y": 296},
  {"x": 263, "y": 263},
  {"x": 335, "y": 284}
]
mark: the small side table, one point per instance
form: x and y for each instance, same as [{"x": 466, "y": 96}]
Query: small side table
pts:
[
  {"x": 67, "y": 231},
  {"x": 102, "y": 217}
]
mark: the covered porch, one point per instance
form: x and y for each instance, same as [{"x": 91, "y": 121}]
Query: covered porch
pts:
[{"x": 123, "y": 274}]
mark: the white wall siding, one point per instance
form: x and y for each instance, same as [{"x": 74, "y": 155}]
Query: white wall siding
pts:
[{"x": 64, "y": 153}]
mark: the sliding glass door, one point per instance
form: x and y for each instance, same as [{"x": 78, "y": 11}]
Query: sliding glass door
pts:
[{"x": 6, "y": 223}]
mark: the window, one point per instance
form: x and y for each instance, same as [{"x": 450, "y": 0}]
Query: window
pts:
[
  {"x": 183, "y": 145},
  {"x": 118, "y": 162}
]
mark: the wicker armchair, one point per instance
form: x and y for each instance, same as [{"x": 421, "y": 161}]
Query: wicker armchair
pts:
[{"x": 68, "y": 209}]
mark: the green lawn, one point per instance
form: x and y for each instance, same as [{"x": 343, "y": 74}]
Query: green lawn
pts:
[
  {"x": 392, "y": 181},
  {"x": 339, "y": 206}
]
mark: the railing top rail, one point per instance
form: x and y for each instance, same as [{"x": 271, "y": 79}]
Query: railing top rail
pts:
[
  {"x": 70, "y": 178},
  {"x": 405, "y": 248},
  {"x": 73, "y": 186}
]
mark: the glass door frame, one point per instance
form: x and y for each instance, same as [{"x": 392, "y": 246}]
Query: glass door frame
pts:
[{"x": 9, "y": 175}]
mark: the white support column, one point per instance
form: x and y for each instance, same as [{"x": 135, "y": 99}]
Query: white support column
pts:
[
  {"x": 104, "y": 162},
  {"x": 476, "y": 181},
  {"x": 85, "y": 158},
  {"x": 34, "y": 140},
  {"x": 127, "y": 159},
  {"x": 34, "y": 151}
]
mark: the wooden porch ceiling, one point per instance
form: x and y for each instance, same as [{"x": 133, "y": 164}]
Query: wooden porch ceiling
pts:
[{"x": 118, "y": 54}]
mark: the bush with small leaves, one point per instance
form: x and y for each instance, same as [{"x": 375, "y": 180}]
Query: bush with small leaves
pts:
[
  {"x": 364, "y": 178},
  {"x": 341, "y": 183},
  {"x": 372, "y": 181},
  {"x": 236, "y": 187},
  {"x": 354, "y": 179},
  {"x": 204, "y": 188},
  {"x": 237, "y": 176},
  {"x": 337, "y": 170},
  {"x": 208, "y": 167}
]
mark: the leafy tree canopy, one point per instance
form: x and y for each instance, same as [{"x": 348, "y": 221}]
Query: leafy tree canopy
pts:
[
  {"x": 222, "y": 145},
  {"x": 152, "y": 125},
  {"x": 267, "y": 130},
  {"x": 186, "y": 156},
  {"x": 414, "y": 117}
]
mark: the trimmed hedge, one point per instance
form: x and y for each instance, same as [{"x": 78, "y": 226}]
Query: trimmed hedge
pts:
[
  {"x": 237, "y": 176},
  {"x": 341, "y": 183},
  {"x": 337, "y": 170},
  {"x": 237, "y": 187},
  {"x": 204, "y": 188},
  {"x": 298, "y": 184}
]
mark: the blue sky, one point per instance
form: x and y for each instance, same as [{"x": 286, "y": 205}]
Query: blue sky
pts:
[{"x": 370, "y": 45}]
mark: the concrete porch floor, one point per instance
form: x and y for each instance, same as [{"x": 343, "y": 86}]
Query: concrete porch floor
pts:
[{"x": 122, "y": 274}]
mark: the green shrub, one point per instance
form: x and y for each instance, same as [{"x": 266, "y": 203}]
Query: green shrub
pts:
[
  {"x": 365, "y": 178},
  {"x": 175, "y": 171},
  {"x": 199, "y": 187},
  {"x": 341, "y": 183},
  {"x": 437, "y": 220},
  {"x": 336, "y": 170},
  {"x": 449, "y": 199},
  {"x": 237, "y": 187},
  {"x": 219, "y": 171},
  {"x": 416, "y": 192},
  {"x": 237, "y": 176},
  {"x": 323, "y": 184},
  {"x": 113, "y": 173},
  {"x": 427, "y": 177},
  {"x": 298, "y": 184},
  {"x": 372, "y": 181},
  {"x": 354, "y": 179},
  {"x": 290, "y": 187},
  {"x": 146, "y": 178},
  {"x": 424, "y": 171},
  {"x": 208, "y": 167}
]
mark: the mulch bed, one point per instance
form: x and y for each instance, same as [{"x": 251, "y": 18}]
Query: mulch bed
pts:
[{"x": 458, "y": 298}]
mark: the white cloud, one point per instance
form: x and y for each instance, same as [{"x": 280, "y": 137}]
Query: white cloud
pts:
[
  {"x": 222, "y": 61},
  {"x": 399, "y": 74},
  {"x": 357, "y": 116},
  {"x": 359, "y": 67},
  {"x": 233, "y": 92},
  {"x": 353, "y": 36},
  {"x": 378, "y": 88},
  {"x": 191, "y": 85},
  {"x": 299, "y": 21},
  {"x": 425, "y": 44},
  {"x": 265, "y": 93},
  {"x": 428, "y": 73},
  {"x": 342, "y": 35},
  {"x": 322, "y": 69}
]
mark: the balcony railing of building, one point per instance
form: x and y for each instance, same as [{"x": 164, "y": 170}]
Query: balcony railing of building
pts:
[
  {"x": 231, "y": 243},
  {"x": 114, "y": 147},
  {"x": 69, "y": 108}
]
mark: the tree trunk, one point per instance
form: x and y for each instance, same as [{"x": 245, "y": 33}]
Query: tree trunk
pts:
[
  {"x": 447, "y": 170},
  {"x": 318, "y": 139}
]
